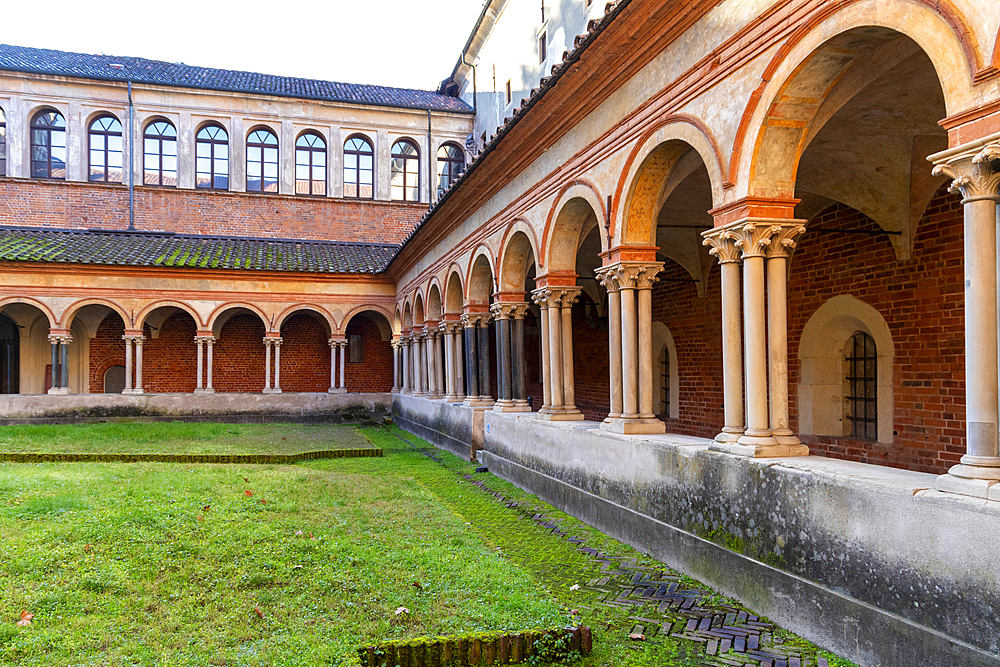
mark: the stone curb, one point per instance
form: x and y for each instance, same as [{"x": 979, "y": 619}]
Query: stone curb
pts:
[{"x": 277, "y": 459}]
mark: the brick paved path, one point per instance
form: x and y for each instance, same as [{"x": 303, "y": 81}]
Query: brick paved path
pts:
[{"x": 662, "y": 602}]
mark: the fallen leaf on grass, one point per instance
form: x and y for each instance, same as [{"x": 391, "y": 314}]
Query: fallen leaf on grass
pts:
[
  {"x": 87, "y": 549},
  {"x": 248, "y": 493},
  {"x": 637, "y": 636},
  {"x": 201, "y": 519},
  {"x": 25, "y": 619},
  {"x": 402, "y": 610},
  {"x": 206, "y": 508},
  {"x": 416, "y": 584},
  {"x": 246, "y": 480},
  {"x": 575, "y": 587},
  {"x": 263, "y": 502},
  {"x": 259, "y": 613}
]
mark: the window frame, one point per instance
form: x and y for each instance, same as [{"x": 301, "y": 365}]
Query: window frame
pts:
[
  {"x": 856, "y": 402},
  {"x": 160, "y": 140},
  {"x": 457, "y": 166},
  {"x": 3, "y": 142},
  {"x": 357, "y": 168},
  {"x": 263, "y": 147},
  {"x": 91, "y": 132},
  {"x": 34, "y": 127},
  {"x": 311, "y": 151},
  {"x": 213, "y": 159},
  {"x": 407, "y": 160}
]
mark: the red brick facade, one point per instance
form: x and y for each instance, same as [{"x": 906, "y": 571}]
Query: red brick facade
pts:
[
  {"x": 107, "y": 349},
  {"x": 238, "y": 365},
  {"x": 34, "y": 203},
  {"x": 374, "y": 374},
  {"x": 305, "y": 354}
]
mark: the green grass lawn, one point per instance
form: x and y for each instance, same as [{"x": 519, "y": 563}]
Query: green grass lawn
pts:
[
  {"x": 179, "y": 438},
  {"x": 169, "y": 564}
]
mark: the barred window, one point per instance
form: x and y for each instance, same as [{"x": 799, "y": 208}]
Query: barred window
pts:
[
  {"x": 105, "y": 139},
  {"x": 212, "y": 158},
  {"x": 861, "y": 381},
  {"x": 48, "y": 145},
  {"x": 159, "y": 147},
  {"x": 262, "y": 161},
  {"x": 405, "y": 184},
  {"x": 310, "y": 164}
]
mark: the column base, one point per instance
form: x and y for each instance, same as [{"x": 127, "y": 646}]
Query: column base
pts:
[
  {"x": 59, "y": 390},
  {"x": 338, "y": 390},
  {"x": 510, "y": 406},
  {"x": 453, "y": 398},
  {"x": 205, "y": 390},
  {"x": 478, "y": 402},
  {"x": 634, "y": 426},
  {"x": 729, "y": 434},
  {"x": 125, "y": 391},
  {"x": 758, "y": 450},
  {"x": 436, "y": 397},
  {"x": 270, "y": 391},
  {"x": 977, "y": 487}
]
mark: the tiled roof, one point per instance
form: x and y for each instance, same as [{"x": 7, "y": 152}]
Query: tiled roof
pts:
[
  {"x": 141, "y": 70},
  {"x": 119, "y": 248}
]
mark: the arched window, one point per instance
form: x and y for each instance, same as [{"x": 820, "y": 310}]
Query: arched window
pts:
[
  {"x": 359, "y": 168},
  {"x": 212, "y": 158},
  {"x": 262, "y": 161},
  {"x": 105, "y": 139},
  {"x": 48, "y": 145},
  {"x": 451, "y": 161},
  {"x": 3, "y": 143},
  {"x": 405, "y": 183},
  {"x": 159, "y": 147},
  {"x": 860, "y": 387},
  {"x": 310, "y": 164}
]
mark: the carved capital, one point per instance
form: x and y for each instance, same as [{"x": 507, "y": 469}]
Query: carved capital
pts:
[
  {"x": 635, "y": 275},
  {"x": 753, "y": 237},
  {"x": 204, "y": 339},
  {"x": 519, "y": 310},
  {"x": 473, "y": 320},
  {"x": 607, "y": 277},
  {"x": 273, "y": 340},
  {"x": 973, "y": 174},
  {"x": 138, "y": 338},
  {"x": 545, "y": 297},
  {"x": 62, "y": 339},
  {"x": 722, "y": 245},
  {"x": 505, "y": 310},
  {"x": 785, "y": 240}
]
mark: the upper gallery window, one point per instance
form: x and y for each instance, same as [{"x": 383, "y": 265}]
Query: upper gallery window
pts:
[
  {"x": 3, "y": 143},
  {"x": 48, "y": 145},
  {"x": 451, "y": 160},
  {"x": 861, "y": 382},
  {"x": 159, "y": 149},
  {"x": 105, "y": 140},
  {"x": 310, "y": 164},
  {"x": 405, "y": 183},
  {"x": 262, "y": 161},
  {"x": 212, "y": 158},
  {"x": 359, "y": 166}
]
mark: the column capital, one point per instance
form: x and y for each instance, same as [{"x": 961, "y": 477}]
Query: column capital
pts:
[
  {"x": 753, "y": 236},
  {"x": 273, "y": 340},
  {"x": 472, "y": 320},
  {"x": 607, "y": 278},
  {"x": 786, "y": 239},
  {"x": 722, "y": 245},
  {"x": 975, "y": 172},
  {"x": 633, "y": 275},
  {"x": 207, "y": 338},
  {"x": 504, "y": 310},
  {"x": 451, "y": 326},
  {"x": 337, "y": 342},
  {"x": 137, "y": 337},
  {"x": 60, "y": 338}
]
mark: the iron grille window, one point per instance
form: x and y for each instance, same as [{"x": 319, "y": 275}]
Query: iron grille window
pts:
[
  {"x": 451, "y": 160},
  {"x": 359, "y": 168},
  {"x": 105, "y": 138},
  {"x": 159, "y": 148},
  {"x": 48, "y": 145},
  {"x": 405, "y": 184},
  {"x": 212, "y": 158},
  {"x": 861, "y": 361},
  {"x": 310, "y": 165},
  {"x": 262, "y": 161},
  {"x": 3, "y": 143},
  {"x": 664, "y": 364}
]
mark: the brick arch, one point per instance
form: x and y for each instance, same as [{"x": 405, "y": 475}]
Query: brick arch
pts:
[
  {"x": 569, "y": 228},
  {"x": 454, "y": 294},
  {"x": 518, "y": 245},
  {"x": 319, "y": 310},
  {"x": 940, "y": 31},
  {"x": 357, "y": 310},
  {"x": 419, "y": 311},
  {"x": 480, "y": 280},
  {"x": 53, "y": 324},
  {"x": 375, "y": 371},
  {"x": 67, "y": 317},
  {"x": 579, "y": 188},
  {"x": 382, "y": 321},
  {"x": 213, "y": 318},
  {"x": 435, "y": 304},
  {"x": 140, "y": 319}
]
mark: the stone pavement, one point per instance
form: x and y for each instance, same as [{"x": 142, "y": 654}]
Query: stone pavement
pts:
[{"x": 663, "y": 603}]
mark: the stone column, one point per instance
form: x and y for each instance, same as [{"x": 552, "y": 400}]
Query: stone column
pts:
[
  {"x": 607, "y": 277},
  {"x": 449, "y": 361},
  {"x": 501, "y": 317},
  {"x": 199, "y": 365},
  {"x": 567, "y": 298},
  {"x": 343, "y": 366},
  {"x": 395, "y": 367},
  {"x": 459, "y": 361},
  {"x": 470, "y": 323},
  {"x": 634, "y": 280},
  {"x": 277, "y": 365},
  {"x": 209, "y": 389},
  {"x": 548, "y": 300},
  {"x": 332, "y": 342},
  {"x": 484, "y": 360},
  {"x": 267, "y": 365},
  {"x": 128, "y": 364},
  {"x": 202, "y": 386},
  {"x": 538, "y": 296},
  {"x": 138, "y": 365},
  {"x": 60, "y": 362},
  {"x": 437, "y": 338},
  {"x": 518, "y": 366},
  {"x": 405, "y": 340},
  {"x": 976, "y": 174},
  {"x": 723, "y": 246},
  {"x": 777, "y": 333},
  {"x": 418, "y": 363}
]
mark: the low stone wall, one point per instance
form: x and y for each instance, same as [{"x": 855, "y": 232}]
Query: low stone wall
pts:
[
  {"x": 866, "y": 561},
  {"x": 299, "y": 407},
  {"x": 450, "y": 426}
]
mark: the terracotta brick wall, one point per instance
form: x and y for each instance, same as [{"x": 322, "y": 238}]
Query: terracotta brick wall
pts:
[
  {"x": 374, "y": 374},
  {"x": 33, "y": 203},
  {"x": 169, "y": 361},
  {"x": 239, "y": 356},
  {"x": 305, "y": 354},
  {"x": 591, "y": 380},
  {"x": 107, "y": 349}
]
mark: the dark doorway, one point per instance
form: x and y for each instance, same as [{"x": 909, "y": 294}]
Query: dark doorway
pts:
[{"x": 114, "y": 380}]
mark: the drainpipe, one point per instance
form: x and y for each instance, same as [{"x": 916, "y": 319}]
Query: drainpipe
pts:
[
  {"x": 432, "y": 188},
  {"x": 473, "y": 66},
  {"x": 131, "y": 160}
]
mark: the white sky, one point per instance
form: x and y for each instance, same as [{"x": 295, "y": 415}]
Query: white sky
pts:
[{"x": 404, "y": 43}]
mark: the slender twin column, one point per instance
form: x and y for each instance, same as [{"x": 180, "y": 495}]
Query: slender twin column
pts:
[
  {"x": 419, "y": 364},
  {"x": 723, "y": 247},
  {"x": 976, "y": 174},
  {"x": 630, "y": 345},
  {"x": 275, "y": 343},
  {"x": 406, "y": 342},
  {"x": 435, "y": 361},
  {"x": 477, "y": 360},
  {"x": 765, "y": 335},
  {"x": 558, "y": 381},
  {"x": 133, "y": 338},
  {"x": 204, "y": 341},
  {"x": 509, "y": 325},
  {"x": 338, "y": 346},
  {"x": 453, "y": 343},
  {"x": 60, "y": 362},
  {"x": 397, "y": 346}
]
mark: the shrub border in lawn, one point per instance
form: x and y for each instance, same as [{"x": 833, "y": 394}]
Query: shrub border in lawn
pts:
[{"x": 253, "y": 459}]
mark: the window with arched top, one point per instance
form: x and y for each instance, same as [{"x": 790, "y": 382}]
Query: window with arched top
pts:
[
  {"x": 48, "y": 145},
  {"x": 211, "y": 168},
  {"x": 861, "y": 387},
  {"x": 405, "y": 182},
  {"x": 451, "y": 161},
  {"x": 310, "y": 164},
  {"x": 359, "y": 168},
  {"x": 104, "y": 139},
  {"x": 159, "y": 154},
  {"x": 262, "y": 161},
  {"x": 3, "y": 143}
]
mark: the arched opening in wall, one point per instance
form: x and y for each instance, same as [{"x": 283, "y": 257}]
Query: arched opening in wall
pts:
[
  {"x": 517, "y": 280},
  {"x": 10, "y": 356},
  {"x": 481, "y": 297},
  {"x": 846, "y": 394},
  {"x": 305, "y": 352},
  {"x": 368, "y": 359},
  {"x": 454, "y": 299},
  {"x": 880, "y": 228},
  {"x": 31, "y": 325},
  {"x": 238, "y": 365},
  {"x": 170, "y": 354},
  {"x": 665, "y": 373},
  {"x": 105, "y": 329},
  {"x": 114, "y": 380}
]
